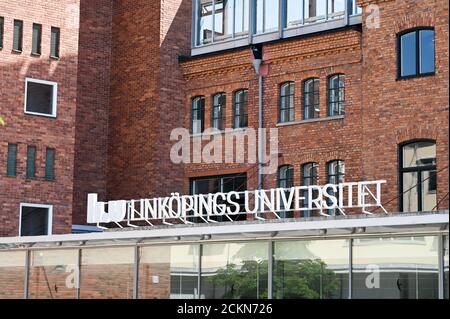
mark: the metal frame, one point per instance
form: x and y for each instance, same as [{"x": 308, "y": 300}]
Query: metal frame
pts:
[
  {"x": 283, "y": 31},
  {"x": 49, "y": 218},
  {"x": 54, "y": 86}
]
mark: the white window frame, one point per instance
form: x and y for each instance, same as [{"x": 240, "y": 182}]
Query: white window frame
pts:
[
  {"x": 54, "y": 97},
  {"x": 49, "y": 219}
]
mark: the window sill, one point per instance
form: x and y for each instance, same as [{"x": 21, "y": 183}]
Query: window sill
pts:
[
  {"x": 54, "y": 57},
  {"x": 225, "y": 131},
  {"x": 402, "y": 78},
  {"x": 320, "y": 119},
  {"x": 36, "y": 55},
  {"x": 16, "y": 51},
  {"x": 41, "y": 114}
]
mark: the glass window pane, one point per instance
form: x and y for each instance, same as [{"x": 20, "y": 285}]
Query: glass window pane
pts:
[
  {"x": 419, "y": 154},
  {"x": 311, "y": 269},
  {"x": 408, "y": 54},
  {"x": 234, "y": 270},
  {"x": 446, "y": 278},
  {"x": 429, "y": 199},
  {"x": 336, "y": 8},
  {"x": 410, "y": 194},
  {"x": 315, "y": 10},
  {"x": 34, "y": 221},
  {"x": 426, "y": 51},
  {"x": 294, "y": 12},
  {"x": 395, "y": 268},
  {"x": 169, "y": 272},
  {"x": 53, "y": 274},
  {"x": 205, "y": 22},
  {"x": 241, "y": 17},
  {"x": 266, "y": 15},
  {"x": 107, "y": 273},
  {"x": 223, "y": 19},
  {"x": 12, "y": 274}
]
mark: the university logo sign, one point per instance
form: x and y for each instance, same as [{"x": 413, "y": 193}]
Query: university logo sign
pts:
[{"x": 206, "y": 208}]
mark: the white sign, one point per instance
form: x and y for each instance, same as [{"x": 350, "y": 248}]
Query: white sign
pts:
[{"x": 205, "y": 208}]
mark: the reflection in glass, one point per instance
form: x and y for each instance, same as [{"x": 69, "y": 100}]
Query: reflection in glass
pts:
[
  {"x": 205, "y": 21},
  {"x": 294, "y": 12},
  {"x": 446, "y": 278},
  {"x": 286, "y": 180},
  {"x": 169, "y": 272},
  {"x": 241, "y": 17},
  {"x": 266, "y": 15},
  {"x": 336, "y": 8},
  {"x": 419, "y": 176},
  {"x": 311, "y": 105},
  {"x": 234, "y": 270},
  {"x": 223, "y": 19},
  {"x": 408, "y": 54},
  {"x": 287, "y": 107},
  {"x": 309, "y": 178},
  {"x": 12, "y": 274},
  {"x": 336, "y": 95},
  {"x": 426, "y": 39},
  {"x": 395, "y": 268},
  {"x": 107, "y": 273},
  {"x": 53, "y": 274},
  {"x": 311, "y": 269},
  {"x": 315, "y": 10}
]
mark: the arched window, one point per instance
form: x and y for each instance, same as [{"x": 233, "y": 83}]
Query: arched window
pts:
[
  {"x": 336, "y": 95},
  {"x": 240, "y": 109},
  {"x": 416, "y": 53},
  {"x": 218, "y": 111},
  {"x": 287, "y": 109},
  {"x": 286, "y": 180},
  {"x": 418, "y": 179},
  {"x": 311, "y": 106},
  {"x": 335, "y": 175},
  {"x": 198, "y": 115},
  {"x": 309, "y": 177}
]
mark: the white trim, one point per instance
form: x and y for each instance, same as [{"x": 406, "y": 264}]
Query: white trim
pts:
[
  {"x": 54, "y": 97},
  {"x": 421, "y": 219},
  {"x": 49, "y": 218}
]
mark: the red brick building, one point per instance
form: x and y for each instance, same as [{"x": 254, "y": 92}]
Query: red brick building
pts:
[{"x": 92, "y": 90}]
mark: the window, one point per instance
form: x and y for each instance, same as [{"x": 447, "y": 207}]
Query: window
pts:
[
  {"x": 335, "y": 175},
  {"x": 221, "y": 184},
  {"x": 218, "y": 111},
  {"x": 40, "y": 97},
  {"x": 309, "y": 177},
  {"x": 198, "y": 115},
  {"x": 287, "y": 108},
  {"x": 11, "y": 164},
  {"x": 1, "y": 32},
  {"x": 54, "y": 42},
  {"x": 416, "y": 53},
  {"x": 311, "y": 99},
  {"x": 219, "y": 20},
  {"x": 404, "y": 269},
  {"x": 37, "y": 38},
  {"x": 315, "y": 10},
  {"x": 336, "y": 95},
  {"x": 286, "y": 180},
  {"x": 18, "y": 35},
  {"x": 418, "y": 176},
  {"x": 49, "y": 164},
  {"x": 240, "y": 109},
  {"x": 35, "y": 220},
  {"x": 31, "y": 162},
  {"x": 266, "y": 15}
]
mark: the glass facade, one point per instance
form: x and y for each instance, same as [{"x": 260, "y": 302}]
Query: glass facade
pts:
[
  {"x": 234, "y": 271},
  {"x": 53, "y": 274},
  {"x": 169, "y": 272},
  {"x": 402, "y": 267},
  {"x": 221, "y": 20},
  {"x": 396, "y": 268},
  {"x": 311, "y": 269},
  {"x": 107, "y": 273},
  {"x": 12, "y": 274}
]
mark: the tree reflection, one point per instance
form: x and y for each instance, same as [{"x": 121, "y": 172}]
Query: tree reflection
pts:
[{"x": 298, "y": 279}]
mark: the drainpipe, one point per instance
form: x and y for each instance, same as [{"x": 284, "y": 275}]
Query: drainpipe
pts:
[{"x": 257, "y": 62}]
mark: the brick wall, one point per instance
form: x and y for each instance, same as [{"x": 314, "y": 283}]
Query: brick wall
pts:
[{"x": 42, "y": 132}]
